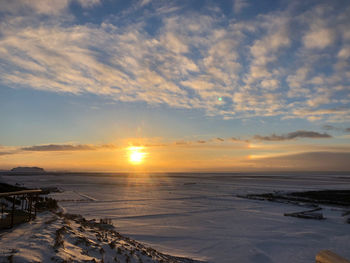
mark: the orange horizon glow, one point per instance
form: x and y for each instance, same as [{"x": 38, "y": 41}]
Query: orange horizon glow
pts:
[{"x": 155, "y": 155}]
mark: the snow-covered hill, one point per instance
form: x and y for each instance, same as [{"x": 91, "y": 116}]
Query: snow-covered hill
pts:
[{"x": 62, "y": 238}]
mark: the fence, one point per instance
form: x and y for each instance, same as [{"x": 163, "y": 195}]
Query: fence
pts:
[{"x": 18, "y": 207}]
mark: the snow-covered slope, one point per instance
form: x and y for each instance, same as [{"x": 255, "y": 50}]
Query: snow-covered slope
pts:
[{"x": 55, "y": 237}]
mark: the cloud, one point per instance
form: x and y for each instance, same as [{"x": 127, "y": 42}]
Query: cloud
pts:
[
  {"x": 329, "y": 127},
  {"x": 42, "y": 7},
  {"x": 292, "y": 135},
  {"x": 8, "y": 150},
  {"x": 89, "y": 3},
  {"x": 239, "y": 5},
  {"x": 145, "y": 2},
  {"x": 66, "y": 147},
  {"x": 344, "y": 53},
  {"x": 270, "y": 84},
  {"x": 182, "y": 143},
  {"x": 322, "y": 24},
  {"x": 312, "y": 161},
  {"x": 340, "y": 114},
  {"x": 264, "y": 49},
  {"x": 53, "y": 7},
  {"x": 319, "y": 38},
  {"x": 188, "y": 61},
  {"x": 138, "y": 142},
  {"x": 6, "y": 153},
  {"x": 174, "y": 44},
  {"x": 335, "y": 128},
  {"x": 319, "y": 99}
]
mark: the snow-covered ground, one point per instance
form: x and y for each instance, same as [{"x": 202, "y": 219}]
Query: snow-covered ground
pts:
[
  {"x": 55, "y": 237},
  {"x": 199, "y": 215}
]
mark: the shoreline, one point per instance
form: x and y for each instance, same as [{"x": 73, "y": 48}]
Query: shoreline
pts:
[
  {"x": 202, "y": 218},
  {"x": 55, "y": 236},
  {"x": 58, "y": 237}
]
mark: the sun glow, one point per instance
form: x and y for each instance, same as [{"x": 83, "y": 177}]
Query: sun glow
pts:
[{"x": 136, "y": 155}]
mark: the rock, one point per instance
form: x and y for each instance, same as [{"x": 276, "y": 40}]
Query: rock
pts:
[{"x": 27, "y": 170}]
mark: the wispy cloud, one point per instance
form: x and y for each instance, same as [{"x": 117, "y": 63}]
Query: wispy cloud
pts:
[
  {"x": 239, "y": 5},
  {"x": 292, "y": 135},
  {"x": 6, "y": 153},
  {"x": 42, "y": 7},
  {"x": 66, "y": 147},
  {"x": 314, "y": 161},
  {"x": 142, "y": 142},
  {"x": 189, "y": 61},
  {"x": 335, "y": 128},
  {"x": 329, "y": 127}
]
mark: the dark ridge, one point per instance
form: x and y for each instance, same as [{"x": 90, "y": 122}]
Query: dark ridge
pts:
[
  {"x": 338, "y": 197},
  {"x": 4, "y": 188},
  {"x": 324, "y": 197}
]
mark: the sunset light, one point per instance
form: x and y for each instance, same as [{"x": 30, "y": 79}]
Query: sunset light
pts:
[
  {"x": 175, "y": 131},
  {"x": 136, "y": 156},
  {"x": 201, "y": 91}
]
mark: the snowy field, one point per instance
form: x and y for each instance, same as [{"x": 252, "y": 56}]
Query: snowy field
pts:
[{"x": 199, "y": 215}]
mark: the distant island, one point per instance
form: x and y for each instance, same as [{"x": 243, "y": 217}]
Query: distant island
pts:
[{"x": 28, "y": 170}]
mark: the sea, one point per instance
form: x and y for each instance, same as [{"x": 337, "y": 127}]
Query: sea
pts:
[{"x": 204, "y": 215}]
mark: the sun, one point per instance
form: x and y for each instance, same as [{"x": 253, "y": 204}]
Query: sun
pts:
[{"x": 136, "y": 155}]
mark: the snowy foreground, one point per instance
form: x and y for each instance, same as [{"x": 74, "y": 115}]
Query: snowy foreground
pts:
[
  {"x": 55, "y": 237},
  {"x": 201, "y": 216}
]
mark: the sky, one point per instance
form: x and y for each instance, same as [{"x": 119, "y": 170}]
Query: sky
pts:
[{"x": 161, "y": 86}]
